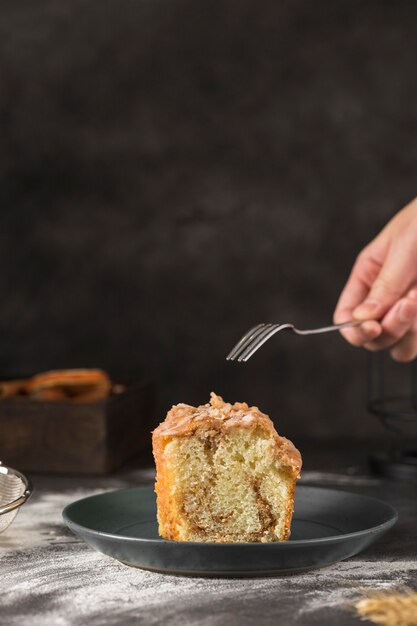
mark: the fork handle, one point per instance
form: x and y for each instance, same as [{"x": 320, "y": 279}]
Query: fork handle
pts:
[{"x": 327, "y": 329}]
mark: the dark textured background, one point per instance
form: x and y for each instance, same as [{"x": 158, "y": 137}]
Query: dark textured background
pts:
[{"x": 174, "y": 171}]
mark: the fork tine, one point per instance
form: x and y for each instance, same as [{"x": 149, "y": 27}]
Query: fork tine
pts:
[
  {"x": 244, "y": 340},
  {"x": 254, "y": 341},
  {"x": 260, "y": 340}
]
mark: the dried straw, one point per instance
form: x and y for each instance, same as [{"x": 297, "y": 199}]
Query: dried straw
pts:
[{"x": 389, "y": 609}]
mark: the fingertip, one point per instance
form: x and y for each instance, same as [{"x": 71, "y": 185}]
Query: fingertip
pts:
[
  {"x": 352, "y": 336},
  {"x": 372, "y": 347},
  {"x": 407, "y": 311},
  {"x": 342, "y": 315},
  {"x": 405, "y": 350},
  {"x": 401, "y": 356},
  {"x": 366, "y": 310},
  {"x": 371, "y": 329}
]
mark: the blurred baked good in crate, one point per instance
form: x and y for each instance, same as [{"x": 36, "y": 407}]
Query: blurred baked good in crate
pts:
[{"x": 74, "y": 421}]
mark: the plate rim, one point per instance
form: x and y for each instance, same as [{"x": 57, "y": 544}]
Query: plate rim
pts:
[{"x": 384, "y": 526}]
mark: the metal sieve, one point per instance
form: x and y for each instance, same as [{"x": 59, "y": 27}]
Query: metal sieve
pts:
[{"x": 15, "y": 490}]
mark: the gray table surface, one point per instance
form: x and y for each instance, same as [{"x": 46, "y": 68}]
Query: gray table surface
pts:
[{"x": 49, "y": 577}]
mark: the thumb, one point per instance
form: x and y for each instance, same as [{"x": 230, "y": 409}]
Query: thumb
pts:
[{"x": 393, "y": 281}]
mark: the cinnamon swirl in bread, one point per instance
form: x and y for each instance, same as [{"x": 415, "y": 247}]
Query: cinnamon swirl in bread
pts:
[{"x": 223, "y": 474}]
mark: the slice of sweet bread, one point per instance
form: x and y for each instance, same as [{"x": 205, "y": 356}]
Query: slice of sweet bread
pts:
[{"x": 223, "y": 474}]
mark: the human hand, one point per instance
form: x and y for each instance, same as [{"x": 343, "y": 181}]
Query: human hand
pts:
[{"x": 382, "y": 288}]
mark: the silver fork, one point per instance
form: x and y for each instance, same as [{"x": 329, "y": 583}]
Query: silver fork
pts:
[{"x": 258, "y": 335}]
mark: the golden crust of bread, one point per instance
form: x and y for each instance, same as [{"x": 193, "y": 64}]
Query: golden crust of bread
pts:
[
  {"x": 78, "y": 385},
  {"x": 213, "y": 418},
  {"x": 68, "y": 378},
  {"x": 11, "y": 388}
]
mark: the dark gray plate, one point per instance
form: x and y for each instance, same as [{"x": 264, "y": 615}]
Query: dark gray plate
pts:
[{"x": 328, "y": 526}]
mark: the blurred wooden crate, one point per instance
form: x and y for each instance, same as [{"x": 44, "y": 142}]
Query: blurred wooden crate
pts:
[{"x": 74, "y": 438}]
